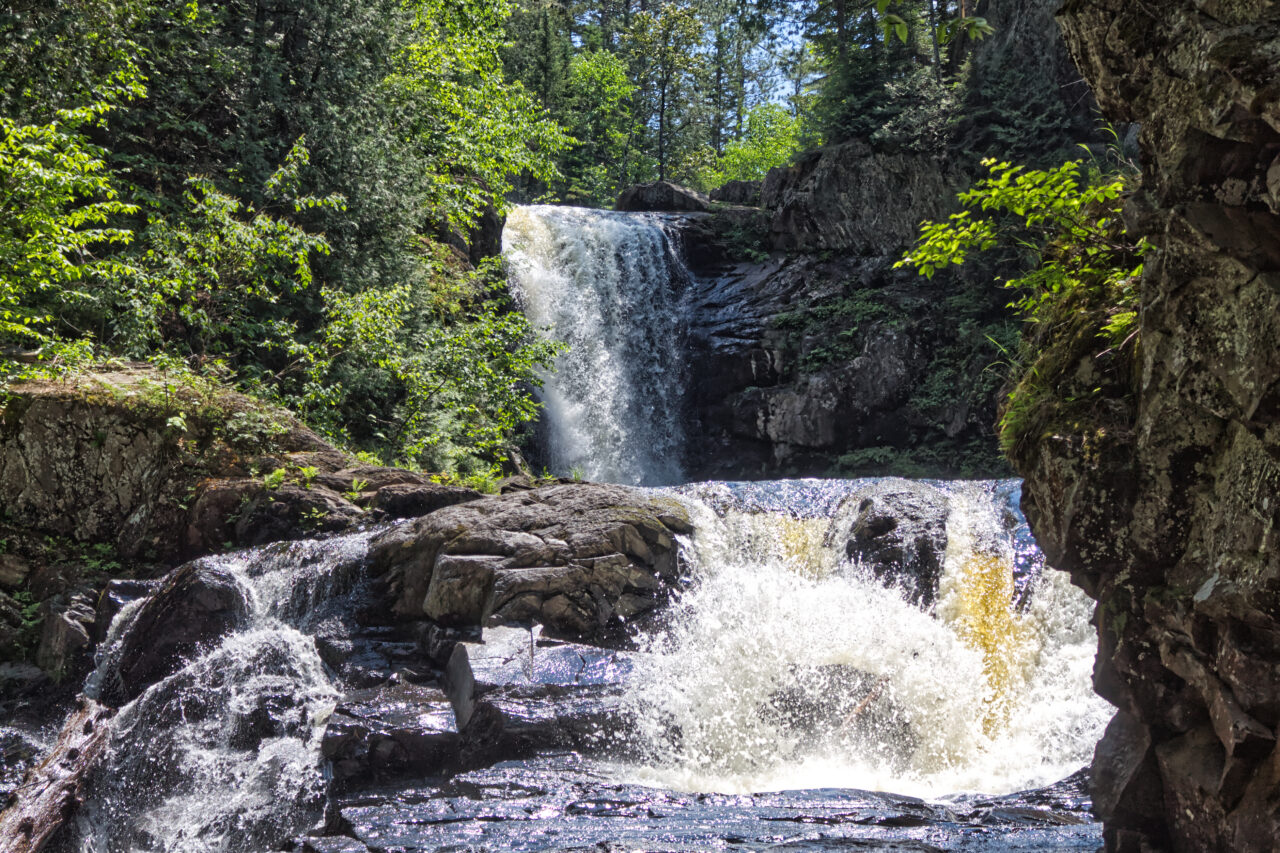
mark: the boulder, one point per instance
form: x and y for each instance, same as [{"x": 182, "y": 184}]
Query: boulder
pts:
[
  {"x": 745, "y": 193},
  {"x": 65, "y": 634},
  {"x": 243, "y": 512},
  {"x": 898, "y": 528},
  {"x": 580, "y": 559},
  {"x": 13, "y": 571},
  {"x": 662, "y": 196},
  {"x": 410, "y": 500},
  {"x": 194, "y": 607}
]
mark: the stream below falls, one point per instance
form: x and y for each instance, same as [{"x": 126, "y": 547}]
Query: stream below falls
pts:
[{"x": 790, "y": 696}]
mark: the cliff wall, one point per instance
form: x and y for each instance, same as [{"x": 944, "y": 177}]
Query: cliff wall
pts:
[{"x": 1169, "y": 518}]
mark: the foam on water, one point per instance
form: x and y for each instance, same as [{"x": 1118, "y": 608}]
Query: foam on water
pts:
[
  {"x": 610, "y": 285},
  {"x": 784, "y": 667}
]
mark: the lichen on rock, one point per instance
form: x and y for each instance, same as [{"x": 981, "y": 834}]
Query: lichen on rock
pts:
[
  {"x": 1165, "y": 511},
  {"x": 582, "y": 560}
]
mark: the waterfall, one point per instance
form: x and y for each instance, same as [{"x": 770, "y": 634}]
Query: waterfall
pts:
[
  {"x": 786, "y": 666},
  {"x": 224, "y": 753},
  {"x": 610, "y": 285}
]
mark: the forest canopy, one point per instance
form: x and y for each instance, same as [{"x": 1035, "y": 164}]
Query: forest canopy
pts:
[{"x": 301, "y": 197}]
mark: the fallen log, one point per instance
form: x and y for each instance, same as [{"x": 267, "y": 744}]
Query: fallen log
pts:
[{"x": 51, "y": 792}]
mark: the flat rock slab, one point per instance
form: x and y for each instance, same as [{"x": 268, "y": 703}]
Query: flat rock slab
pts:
[
  {"x": 521, "y": 656},
  {"x": 562, "y": 803},
  {"x": 581, "y": 559}
]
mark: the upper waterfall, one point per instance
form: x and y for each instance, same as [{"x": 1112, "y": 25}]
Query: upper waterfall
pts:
[{"x": 610, "y": 285}]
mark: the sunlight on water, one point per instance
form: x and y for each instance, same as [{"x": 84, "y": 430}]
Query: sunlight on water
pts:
[
  {"x": 609, "y": 285},
  {"x": 785, "y": 667},
  {"x": 977, "y": 600}
]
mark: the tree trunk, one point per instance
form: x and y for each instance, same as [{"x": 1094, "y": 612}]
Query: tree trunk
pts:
[
  {"x": 933, "y": 30},
  {"x": 51, "y": 793}
]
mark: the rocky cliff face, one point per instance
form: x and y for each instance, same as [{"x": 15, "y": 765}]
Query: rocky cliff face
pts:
[
  {"x": 1169, "y": 520},
  {"x": 815, "y": 355}
]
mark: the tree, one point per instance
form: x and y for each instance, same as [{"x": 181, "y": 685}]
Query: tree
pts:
[
  {"x": 772, "y": 137},
  {"x": 664, "y": 50},
  {"x": 599, "y": 116},
  {"x": 56, "y": 205}
]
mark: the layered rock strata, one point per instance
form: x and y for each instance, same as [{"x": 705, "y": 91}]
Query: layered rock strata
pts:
[
  {"x": 582, "y": 560},
  {"x": 1170, "y": 520}
]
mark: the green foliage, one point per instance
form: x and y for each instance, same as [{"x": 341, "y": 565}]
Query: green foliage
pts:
[
  {"x": 469, "y": 128},
  {"x": 264, "y": 212},
  {"x": 55, "y": 213},
  {"x": 834, "y": 331},
  {"x": 1079, "y": 296},
  {"x": 448, "y": 394},
  {"x": 599, "y": 115},
  {"x": 772, "y": 138},
  {"x": 1068, "y": 221}
]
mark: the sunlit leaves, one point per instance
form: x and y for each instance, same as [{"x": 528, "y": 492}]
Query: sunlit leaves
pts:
[
  {"x": 56, "y": 206},
  {"x": 1065, "y": 217}
]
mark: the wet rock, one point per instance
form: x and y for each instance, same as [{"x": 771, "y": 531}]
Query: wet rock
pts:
[
  {"x": 579, "y": 559},
  {"x": 332, "y": 844},
  {"x": 13, "y": 571},
  {"x": 437, "y": 641},
  {"x": 899, "y": 529},
  {"x": 272, "y": 713},
  {"x": 117, "y": 594},
  {"x": 380, "y": 733},
  {"x": 51, "y": 795},
  {"x": 19, "y": 751},
  {"x": 662, "y": 196},
  {"x": 65, "y": 635},
  {"x": 460, "y": 686},
  {"x": 1162, "y": 501},
  {"x": 410, "y": 500},
  {"x": 244, "y": 512},
  {"x": 739, "y": 192},
  {"x": 193, "y": 607}
]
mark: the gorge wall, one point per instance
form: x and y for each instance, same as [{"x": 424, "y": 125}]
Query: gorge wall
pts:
[
  {"x": 814, "y": 355},
  {"x": 1168, "y": 517}
]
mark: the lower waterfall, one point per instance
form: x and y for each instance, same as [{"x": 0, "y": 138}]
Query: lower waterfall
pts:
[
  {"x": 785, "y": 666},
  {"x": 224, "y": 754}
]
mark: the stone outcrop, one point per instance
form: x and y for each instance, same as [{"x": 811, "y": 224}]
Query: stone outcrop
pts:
[
  {"x": 745, "y": 193},
  {"x": 662, "y": 196},
  {"x": 855, "y": 198},
  {"x": 164, "y": 470},
  {"x": 897, "y": 528},
  {"x": 1169, "y": 518},
  {"x": 809, "y": 364},
  {"x": 581, "y": 560}
]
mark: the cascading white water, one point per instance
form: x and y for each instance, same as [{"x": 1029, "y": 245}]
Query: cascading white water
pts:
[
  {"x": 224, "y": 754},
  {"x": 785, "y": 668},
  {"x": 609, "y": 285}
]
